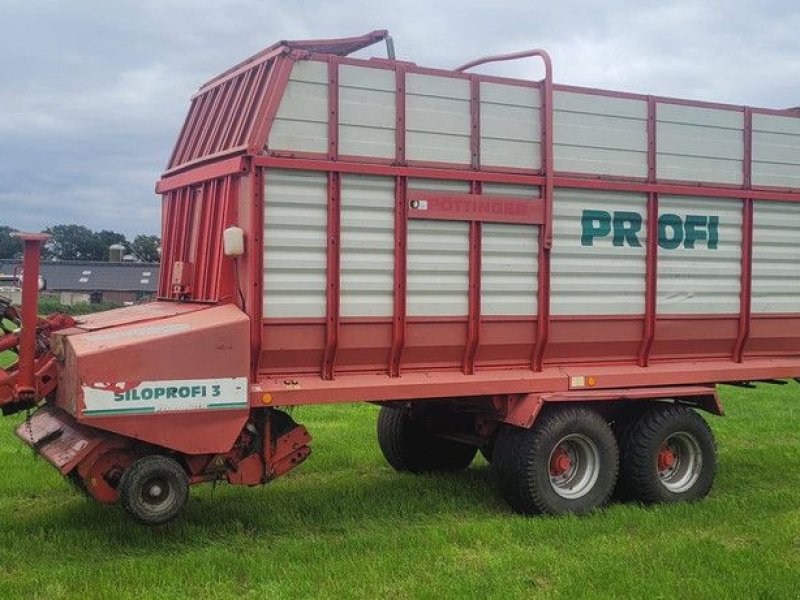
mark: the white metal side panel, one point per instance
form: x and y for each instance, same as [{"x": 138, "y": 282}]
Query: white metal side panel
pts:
[
  {"x": 510, "y": 189},
  {"x": 509, "y": 269},
  {"x": 367, "y": 246},
  {"x": 366, "y": 111},
  {"x": 600, "y": 135},
  {"x": 509, "y": 260},
  {"x": 776, "y": 257},
  {"x": 511, "y": 127},
  {"x": 594, "y": 276},
  {"x": 302, "y": 120},
  {"x": 437, "y": 267},
  {"x": 776, "y": 151},
  {"x": 699, "y": 144},
  {"x": 702, "y": 279},
  {"x": 295, "y": 245},
  {"x": 437, "y": 119}
]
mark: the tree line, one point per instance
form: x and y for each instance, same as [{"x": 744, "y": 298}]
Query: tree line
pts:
[{"x": 76, "y": 242}]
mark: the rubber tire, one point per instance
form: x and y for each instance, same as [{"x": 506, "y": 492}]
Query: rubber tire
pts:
[
  {"x": 136, "y": 476},
  {"x": 639, "y": 455},
  {"x": 622, "y": 425},
  {"x": 521, "y": 462},
  {"x": 409, "y": 446}
]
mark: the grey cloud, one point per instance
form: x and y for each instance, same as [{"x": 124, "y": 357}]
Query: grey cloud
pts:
[{"x": 92, "y": 94}]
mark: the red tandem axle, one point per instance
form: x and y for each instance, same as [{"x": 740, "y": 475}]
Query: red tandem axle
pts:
[{"x": 137, "y": 404}]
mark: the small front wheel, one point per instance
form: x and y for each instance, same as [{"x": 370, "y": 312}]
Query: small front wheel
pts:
[
  {"x": 154, "y": 490},
  {"x": 567, "y": 463}
]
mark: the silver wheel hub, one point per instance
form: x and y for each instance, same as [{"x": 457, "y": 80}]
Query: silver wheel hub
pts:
[
  {"x": 679, "y": 462},
  {"x": 574, "y": 466}
]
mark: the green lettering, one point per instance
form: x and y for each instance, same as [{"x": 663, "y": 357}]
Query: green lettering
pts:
[
  {"x": 713, "y": 233},
  {"x": 695, "y": 228},
  {"x": 626, "y": 226},
  {"x": 594, "y": 223},
  {"x": 674, "y": 223}
]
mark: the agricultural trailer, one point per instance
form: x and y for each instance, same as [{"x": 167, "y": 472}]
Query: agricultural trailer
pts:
[{"x": 554, "y": 276}]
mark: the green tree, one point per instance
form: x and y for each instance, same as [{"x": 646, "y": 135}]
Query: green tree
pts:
[
  {"x": 10, "y": 247},
  {"x": 146, "y": 247},
  {"x": 70, "y": 242},
  {"x": 102, "y": 240}
]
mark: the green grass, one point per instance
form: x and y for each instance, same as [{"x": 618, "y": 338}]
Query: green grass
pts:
[
  {"x": 345, "y": 525},
  {"x": 51, "y": 304}
]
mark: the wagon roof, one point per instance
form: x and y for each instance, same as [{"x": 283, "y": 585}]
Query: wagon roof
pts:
[{"x": 226, "y": 116}]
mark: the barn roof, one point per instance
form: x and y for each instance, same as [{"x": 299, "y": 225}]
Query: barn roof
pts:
[{"x": 88, "y": 276}]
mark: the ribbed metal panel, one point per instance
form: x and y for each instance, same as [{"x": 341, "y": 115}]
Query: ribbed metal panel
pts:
[
  {"x": 295, "y": 225},
  {"x": 776, "y": 257},
  {"x": 601, "y": 279},
  {"x": 699, "y": 144},
  {"x": 223, "y": 116},
  {"x": 438, "y": 260},
  {"x": 366, "y": 111},
  {"x": 437, "y": 118},
  {"x": 302, "y": 120},
  {"x": 509, "y": 260},
  {"x": 776, "y": 151},
  {"x": 367, "y": 246},
  {"x": 701, "y": 280},
  {"x": 600, "y": 134},
  {"x": 509, "y": 267},
  {"x": 510, "y": 126}
]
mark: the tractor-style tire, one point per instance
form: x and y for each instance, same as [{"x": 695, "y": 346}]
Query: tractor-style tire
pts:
[
  {"x": 566, "y": 463},
  {"x": 669, "y": 455},
  {"x": 154, "y": 490},
  {"x": 408, "y": 445}
]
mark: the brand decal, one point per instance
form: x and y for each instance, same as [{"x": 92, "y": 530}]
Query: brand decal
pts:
[
  {"x": 101, "y": 399},
  {"x": 674, "y": 231},
  {"x": 474, "y": 207}
]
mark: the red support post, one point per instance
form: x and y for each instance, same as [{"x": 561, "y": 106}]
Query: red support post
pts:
[
  {"x": 334, "y": 226},
  {"x": 26, "y": 380},
  {"x": 332, "y": 278},
  {"x": 400, "y": 115},
  {"x": 745, "y": 299},
  {"x": 474, "y": 292},
  {"x": 651, "y": 269},
  {"x": 400, "y": 270}
]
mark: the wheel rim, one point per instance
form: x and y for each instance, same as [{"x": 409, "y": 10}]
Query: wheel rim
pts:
[
  {"x": 574, "y": 466},
  {"x": 679, "y": 462},
  {"x": 157, "y": 492}
]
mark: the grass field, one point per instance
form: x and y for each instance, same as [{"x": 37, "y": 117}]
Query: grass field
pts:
[{"x": 345, "y": 525}]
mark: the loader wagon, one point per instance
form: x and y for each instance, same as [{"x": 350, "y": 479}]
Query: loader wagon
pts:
[{"x": 555, "y": 276}]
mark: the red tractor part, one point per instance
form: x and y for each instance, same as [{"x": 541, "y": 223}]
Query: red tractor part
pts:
[{"x": 33, "y": 377}]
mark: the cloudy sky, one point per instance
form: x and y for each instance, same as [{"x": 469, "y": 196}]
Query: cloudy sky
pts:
[{"x": 92, "y": 94}]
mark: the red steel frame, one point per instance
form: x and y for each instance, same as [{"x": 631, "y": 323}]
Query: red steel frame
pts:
[{"x": 477, "y": 380}]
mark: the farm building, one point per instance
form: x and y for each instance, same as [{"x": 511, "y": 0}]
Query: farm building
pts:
[{"x": 87, "y": 281}]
